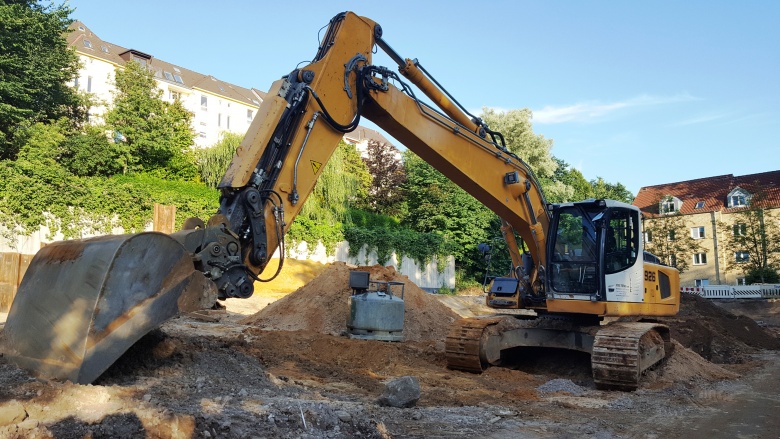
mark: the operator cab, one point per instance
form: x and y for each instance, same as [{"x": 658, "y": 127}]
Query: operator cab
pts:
[{"x": 594, "y": 252}]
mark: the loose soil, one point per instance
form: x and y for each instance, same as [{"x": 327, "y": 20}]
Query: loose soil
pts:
[{"x": 287, "y": 370}]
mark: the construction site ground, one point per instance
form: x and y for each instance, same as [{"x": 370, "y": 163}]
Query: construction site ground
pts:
[{"x": 279, "y": 365}]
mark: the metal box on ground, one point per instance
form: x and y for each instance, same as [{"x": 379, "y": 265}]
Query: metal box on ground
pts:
[{"x": 376, "y": 314}]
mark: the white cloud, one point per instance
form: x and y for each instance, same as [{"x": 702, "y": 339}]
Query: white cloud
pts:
[
  {"x": 590, "y": 111},
  {"x": 704, "y": 118}
]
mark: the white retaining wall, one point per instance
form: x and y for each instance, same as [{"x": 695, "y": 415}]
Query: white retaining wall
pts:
[{"x": 427, "y": 277}]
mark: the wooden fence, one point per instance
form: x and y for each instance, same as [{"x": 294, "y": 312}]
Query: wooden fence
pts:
[{"x": 12, "y": 268}]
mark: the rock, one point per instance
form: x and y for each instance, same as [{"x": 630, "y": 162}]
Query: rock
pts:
[
  {"x": 417, "y": 416},
  {"x": 343, "y": 416},
  {"x": 401, "y": 392},
  {"x": 560, "y": 385},
  {"x": 11, "y": 413}
]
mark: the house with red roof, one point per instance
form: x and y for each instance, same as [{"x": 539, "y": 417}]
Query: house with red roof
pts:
[{"x": 710, "y": 210}]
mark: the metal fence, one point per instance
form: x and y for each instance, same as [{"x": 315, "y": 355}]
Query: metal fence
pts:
[{"x": 760, "y": 291}]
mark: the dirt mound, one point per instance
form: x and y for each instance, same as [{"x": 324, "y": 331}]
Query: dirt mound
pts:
[
  {"x": 322, "y": 306},
  {"x": 684, "y": 366},
  {"x": 716, "y": 334}
]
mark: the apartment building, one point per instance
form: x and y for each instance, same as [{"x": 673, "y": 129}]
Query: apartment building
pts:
[
  {"x": 216, "y": 105},
  {"x": 709, "y": 210}
]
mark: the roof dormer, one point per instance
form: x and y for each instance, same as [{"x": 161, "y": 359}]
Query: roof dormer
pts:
[
  {"x": 738, "y": 197},
  {"x": 669, "y": 204},
  {"x": 137, "y": 56}
]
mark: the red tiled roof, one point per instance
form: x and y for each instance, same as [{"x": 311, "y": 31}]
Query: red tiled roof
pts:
[{"x": 713, "y": 191}]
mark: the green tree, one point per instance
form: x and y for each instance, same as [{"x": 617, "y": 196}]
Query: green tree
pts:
[
  {"x": 35, "y": 65},
  {"x": 327, "y": 208},
  {"x": 520, "y": 138},
  {"x": 532, "y": 148},
  {"x": 753, "y": 241},
  {"x": 388, "y": 176},
  {"x": 667, "y": 236},
  {"x": 566, "y": 184},
  {"x": 35, "y": 184},
  {"x": 214, "y": 161},
  {"x": 91, "y": 153},
  {"x": 158, "y": 134},
  {"x": 437, "y": 205},
  {"x": 356, "y": 167},
  {"x": 611, "y": 191}
]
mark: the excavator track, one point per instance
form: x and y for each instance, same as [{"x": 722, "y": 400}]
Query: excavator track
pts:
[
  {"x": 463, "y": 347},
  {"x": 622, "y": 351}
]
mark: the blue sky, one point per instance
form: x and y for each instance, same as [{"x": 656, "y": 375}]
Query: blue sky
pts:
[{"x": 640, "y": 93}]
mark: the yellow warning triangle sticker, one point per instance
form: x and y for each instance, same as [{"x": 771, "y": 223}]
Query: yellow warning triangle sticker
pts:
[{"x": 315, "y": 166}]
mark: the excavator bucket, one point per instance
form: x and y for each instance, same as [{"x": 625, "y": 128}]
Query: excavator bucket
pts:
[{"x": 83, "y": 303}]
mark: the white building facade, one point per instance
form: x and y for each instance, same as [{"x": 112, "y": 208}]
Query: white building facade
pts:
[{"x": 217, "y": 106}]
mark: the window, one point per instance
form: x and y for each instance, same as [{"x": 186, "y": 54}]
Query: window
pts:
[
  {"x": 741, "y": 257},
  {"x": 697, "y": 232},
  {"x": 178, "y": 79},
  {"x": 648, "y": 235},
  {"x": 699, "y": 204},
  {"x": 175, "y": 95},
  {"x": 576, "y": 251},
  {"x": 671, "y": 236},
  {"x": 228, "y": 122},
  {"x": 104, "y": 49},
  {"x": 76, "y": 82},
  {"x": 672, "y": 260},
  {"x": 219, "y": 119},
  {"x": 89, "y": 84},
  {"x": 700, "y": 259},
  {"x": 741, "y": 281},
  {"x": 87, "y": 44},
  {"x": 668, "y": 206},
  {"x": 202, "y": 135},
  {"x": 249, "y": 116},
  {"x": 168, "y": 76},
  {"x": 702, "y": 282},
  {"x": 738, "y": 200},
  {"x": 740, "y": 230},
  {"x": 204, "y": 102}
]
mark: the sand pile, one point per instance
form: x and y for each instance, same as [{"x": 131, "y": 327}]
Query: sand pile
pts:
[
  {"x": 684, "y": 366},
  {"x": 322, "y": 306},
  {"x": 716, "y": 334}
]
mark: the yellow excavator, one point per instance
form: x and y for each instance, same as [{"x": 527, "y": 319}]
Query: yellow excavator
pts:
[{"x": 82, "y": 303}]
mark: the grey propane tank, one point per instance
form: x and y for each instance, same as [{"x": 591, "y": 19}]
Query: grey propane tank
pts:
[{"x": 377, "y": 314}]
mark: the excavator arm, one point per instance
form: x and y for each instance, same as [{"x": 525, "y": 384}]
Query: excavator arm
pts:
[{"x": 307, "y": 113}]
